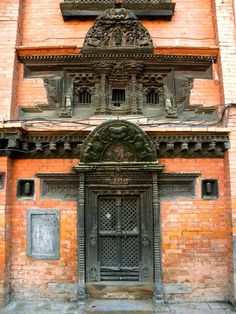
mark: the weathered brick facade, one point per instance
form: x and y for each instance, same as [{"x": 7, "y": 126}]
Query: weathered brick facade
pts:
[{"x": 197, "y": 235}]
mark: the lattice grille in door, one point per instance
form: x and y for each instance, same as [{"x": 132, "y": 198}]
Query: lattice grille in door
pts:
[{"x": 119, "y": 238}]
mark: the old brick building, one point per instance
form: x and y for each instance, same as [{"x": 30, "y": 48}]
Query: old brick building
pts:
[{"x": 117, "y": 150}]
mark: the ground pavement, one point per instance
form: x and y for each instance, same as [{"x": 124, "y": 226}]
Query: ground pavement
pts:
[{"x": 113, "y": 307}]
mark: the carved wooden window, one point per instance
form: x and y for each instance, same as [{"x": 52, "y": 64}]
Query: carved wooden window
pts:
[
  {"x": 118, "y": 97},
  {"x": 152, "y": 98},
  {"x": 84, "y": 97}
]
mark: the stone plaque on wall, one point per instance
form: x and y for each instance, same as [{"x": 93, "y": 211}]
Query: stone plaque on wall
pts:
[{"x": 43, "y": 234}]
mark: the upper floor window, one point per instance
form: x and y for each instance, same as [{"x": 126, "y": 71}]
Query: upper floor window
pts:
[
  {"x": 84, "y": 97},
  {"x": 152, "y": 98},
  {"x": 118, "y": 97}
]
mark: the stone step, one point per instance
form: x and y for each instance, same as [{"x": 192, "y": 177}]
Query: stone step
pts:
[{"x": 98, "y": 306}]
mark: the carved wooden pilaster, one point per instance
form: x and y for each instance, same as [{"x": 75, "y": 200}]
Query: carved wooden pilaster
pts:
[
  {"x": 96, "y": 98},
  {"x": 133, "y": 93},
  {"x": 103, "y": 94},
  {"x": 81, "y": 239},
  {"x": 140, "y": 100},
  {"x": 158, "y": 292}
]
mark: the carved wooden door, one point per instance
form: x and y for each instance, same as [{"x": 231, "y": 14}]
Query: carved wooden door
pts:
[
  {"x": 119, "y": 242},
  {"x": 119, "y": 238}
]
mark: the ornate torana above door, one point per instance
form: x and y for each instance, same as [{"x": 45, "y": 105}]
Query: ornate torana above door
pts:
[
  {"x": 117, "y": 28},
  {"x": 118, "y": 141}
]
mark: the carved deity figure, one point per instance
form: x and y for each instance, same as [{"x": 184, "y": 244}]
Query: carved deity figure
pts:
[
  {"x": 168, "y": 103},
  {"x": 66, "y": 108},
  {"x": 170, "y": 110},
  {"x": 68, "y": 101}
]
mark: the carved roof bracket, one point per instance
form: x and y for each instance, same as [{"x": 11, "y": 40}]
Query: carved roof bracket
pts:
[{"x": 116, "y": 147}]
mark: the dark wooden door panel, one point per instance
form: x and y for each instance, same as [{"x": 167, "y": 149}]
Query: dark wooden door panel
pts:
[
  {"x": 119, "y": 238},
  {"x": 119, "y": 228}
]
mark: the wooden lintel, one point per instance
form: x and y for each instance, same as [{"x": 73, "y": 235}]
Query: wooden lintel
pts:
[{"x": 23, "y": 51}]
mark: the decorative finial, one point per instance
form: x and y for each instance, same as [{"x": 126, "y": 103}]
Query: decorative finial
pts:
[{"x": 119, "y": 3}]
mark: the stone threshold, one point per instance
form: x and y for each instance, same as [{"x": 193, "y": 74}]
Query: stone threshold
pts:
[{"x": 101, "y": 306}]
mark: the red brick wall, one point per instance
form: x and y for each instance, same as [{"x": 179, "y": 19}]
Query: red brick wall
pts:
[
  {"x": 196, "y": 236},
  {"x": 29, "y": 92},
  {"x": 10, "y": 33},
  {"x": 30, "y": 277},
  {"x": 226, "y": 39},
  {"x": 192, "y": 25},
  {"x": 5, "y": 229},
  {"x": 205, "y": 92}
]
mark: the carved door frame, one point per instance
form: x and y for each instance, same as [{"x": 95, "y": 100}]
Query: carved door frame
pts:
[
  {"x": 126, "y": 194},
  {"x": 122, "y": 147},
  {"x": 155, "y": 169}
]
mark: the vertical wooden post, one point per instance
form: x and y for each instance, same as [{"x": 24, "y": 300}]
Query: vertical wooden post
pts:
[
  {"x": 158, "y": 292},
  {"x": 81, "y": 239}
]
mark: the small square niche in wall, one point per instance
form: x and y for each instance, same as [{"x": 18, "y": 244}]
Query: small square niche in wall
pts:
[
  {"x": 2, "y": 180},
  {"x": 210, "y": 189},
  {"x": 25, "y": 188}
]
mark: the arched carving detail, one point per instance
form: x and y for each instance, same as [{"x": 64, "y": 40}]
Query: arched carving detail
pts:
[
  {"x": 118, "y": 141},
  {"x": 117, "y": 28}
]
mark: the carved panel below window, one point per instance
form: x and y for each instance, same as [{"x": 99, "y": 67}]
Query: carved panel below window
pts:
[
  {"x": 59, "y": 186},
  {"x": 177, "y": 187}
]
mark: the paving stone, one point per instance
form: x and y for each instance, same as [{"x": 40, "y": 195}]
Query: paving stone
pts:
[
  {"x": 119, "y": 306},
  {"x": 190, "y": 306},
  {"x": 230, "y": 310},
  {"x": 218, "y": 305},
  {"x": 113, "y": 307}
]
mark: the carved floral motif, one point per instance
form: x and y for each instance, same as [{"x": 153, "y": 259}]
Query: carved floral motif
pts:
[{"x": 93, "y": 236}]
